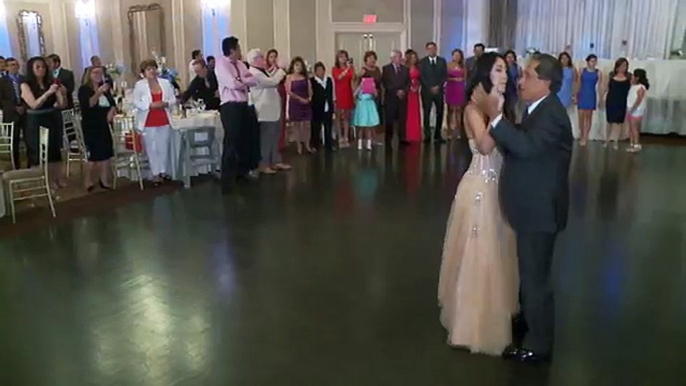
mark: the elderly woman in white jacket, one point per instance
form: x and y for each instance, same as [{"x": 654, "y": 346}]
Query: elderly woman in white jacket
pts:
[
  {"x": 153, "y": 97},
  {"x": 267, "y": 101}
]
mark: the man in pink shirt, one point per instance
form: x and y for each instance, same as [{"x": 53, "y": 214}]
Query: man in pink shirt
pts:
[{"x": 234, "y": 81}]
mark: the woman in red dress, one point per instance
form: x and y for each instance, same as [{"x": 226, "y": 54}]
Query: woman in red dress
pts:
[
  {"x": 413, "y": 126},
  {"x": 272, "y": 66},
  {"x": 343, "y": 76}
]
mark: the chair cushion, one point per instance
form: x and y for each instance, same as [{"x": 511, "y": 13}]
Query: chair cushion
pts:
[{"x": 22, "y": 173}]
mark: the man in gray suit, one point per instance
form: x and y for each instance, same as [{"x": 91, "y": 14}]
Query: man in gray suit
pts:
[
  {"x": 479, "y": 49},
  {"x": 433, "y": 72}
]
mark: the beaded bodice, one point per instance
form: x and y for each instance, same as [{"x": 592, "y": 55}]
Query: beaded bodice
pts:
[{"x": 486, "y": 166}]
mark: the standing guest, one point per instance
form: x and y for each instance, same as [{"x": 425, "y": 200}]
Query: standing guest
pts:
[
  {"x": 343, "y": 76},
  {"x": 587, "y": 97},
  {"x": 43, "y": 99},
  {"x": 97, "y": 62},
  {"x": 479, "y": 49},
  {"x": 615, "y": 101},
  {"x": 434, "y": 74},
  {"x": 322, "y": 107},
  {"x": 195, "y": 55},
  {"x": 211, "y": 62},
  {"x": 413, "y": 127},
  {"x": 511, "y": 92},
  {"x": 371, "y": 70},
  {"x": 299, "y": 90},
  {"x": 366, "y": 116},
  {"x": 153, "y": 97},
  {"x": 636, "y": 104},
  {"x": 12, "y": 108},
  {"x": 97, "y": 111},
  {"x": 272, "y": 67},
  {"x": 65, "y": 77},
  {"x": 3, "y": 66},
  {"x": 454, "y": 92},
  {"x": 234, "y": 79},
  {"x": 396, "y": 84},
  {"x": 267, "y": 101},
  {"x": 203, "y": 87},
  {"x": 566, "y": 93}
]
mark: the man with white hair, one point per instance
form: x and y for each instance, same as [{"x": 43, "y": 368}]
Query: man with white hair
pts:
[
  {"x": 267, "y": 101},
  {"x": 396, "y": 83}
]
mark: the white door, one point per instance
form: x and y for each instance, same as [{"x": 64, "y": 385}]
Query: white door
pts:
[{"x": 358, "y": 43}]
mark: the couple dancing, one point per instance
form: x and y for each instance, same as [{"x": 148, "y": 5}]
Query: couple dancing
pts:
[{"x": 496, "y": 277}]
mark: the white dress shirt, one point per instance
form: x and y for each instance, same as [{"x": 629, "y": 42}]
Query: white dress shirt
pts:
[{"x": 529, "y": 109}]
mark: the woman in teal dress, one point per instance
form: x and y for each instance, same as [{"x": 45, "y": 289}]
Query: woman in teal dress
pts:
[{"x": 366, "y": 117}]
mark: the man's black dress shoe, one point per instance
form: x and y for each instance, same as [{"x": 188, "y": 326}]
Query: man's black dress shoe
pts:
[{"x": 528, "y": 356}]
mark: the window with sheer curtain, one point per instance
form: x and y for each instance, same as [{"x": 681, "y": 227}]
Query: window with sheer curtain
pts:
[
  {"x": 215, "y": 25},
  {"x": 5, "y": 45},
  {"x": 608, "y": 28},
  {"x": 84, "y": 11}
]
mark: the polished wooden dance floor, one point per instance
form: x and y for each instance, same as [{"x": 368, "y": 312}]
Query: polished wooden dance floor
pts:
[{"x": 327, "y": 276}]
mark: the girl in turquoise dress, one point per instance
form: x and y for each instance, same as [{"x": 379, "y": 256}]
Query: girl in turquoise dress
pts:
[{"x": 366, "y": 116}]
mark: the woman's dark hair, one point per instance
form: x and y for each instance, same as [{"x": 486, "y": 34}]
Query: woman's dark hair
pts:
[
  {"x": 291, "y": 68},
  {"x": 457, "y": 50},
  {"x": 370, "y": 54},
  {"x": 591, "y": 57},
  {"x": 150, "y": 63},
  {"x": 339, "y": 53},
  {"x": 618, "y": 64},
  {"x": 481, "y": 75},
  {"x": 319, "y": 65},
  {"x": 569, "y": 59},
  {"x": 270, "y": 52},
  {"x": 514, "y": 55},
  {"x": 195, "y": 53},
  {"x": 642, "y": 77},
  {"x": 229, "y": 45},
  {"x": 408, "y": 53},
  {"x": 31, "y": 79}
]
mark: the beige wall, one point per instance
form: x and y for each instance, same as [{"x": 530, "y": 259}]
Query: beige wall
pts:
[
  {"x": 352, "y": 11},
  {"x": 260, "y": 24},
  {"x": 303, "y": 34},
  {"x": 422, "y": 24}
]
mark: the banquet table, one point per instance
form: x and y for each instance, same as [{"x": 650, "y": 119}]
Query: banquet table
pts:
[{"x": 180, "y": 128}]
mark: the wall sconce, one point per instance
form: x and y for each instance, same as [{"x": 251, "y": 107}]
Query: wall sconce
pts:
[{"x": 84, "y": 9}]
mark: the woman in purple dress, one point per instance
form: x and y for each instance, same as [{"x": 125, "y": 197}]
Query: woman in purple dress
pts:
[
  {"x": 299, "y": 90},
  {"x": 454, "y": 93}
]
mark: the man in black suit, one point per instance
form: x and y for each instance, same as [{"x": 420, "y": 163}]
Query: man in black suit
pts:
[
  {"x": 204, "y": 86},
  {"x": 322, "y": 108},
  {"x": 534, "y": 192},
  {"x": 433, "y": 74},
  {"x": 396, "y": 82},
  {"x": 66, "y": 77},
  {"x": 10, "y": 102}
]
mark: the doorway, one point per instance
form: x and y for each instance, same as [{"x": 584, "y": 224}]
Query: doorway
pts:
[{"x": 357, "y": 43}]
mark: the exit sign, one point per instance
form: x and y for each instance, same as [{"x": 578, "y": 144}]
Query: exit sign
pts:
[{"x": 369, "y": 19}]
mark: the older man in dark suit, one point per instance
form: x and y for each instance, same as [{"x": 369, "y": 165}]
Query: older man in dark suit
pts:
[
  {"x": 433, "y": 71},
  {"x": 66, "y": 77},
  {"x": 534, "y": 192},
  {"x": 396, "y": 82}
]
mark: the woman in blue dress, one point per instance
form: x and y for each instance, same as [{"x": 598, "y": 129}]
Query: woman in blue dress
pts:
[
  {"x": 587, "y": 97},
  {"x": 566, "y": 93}
]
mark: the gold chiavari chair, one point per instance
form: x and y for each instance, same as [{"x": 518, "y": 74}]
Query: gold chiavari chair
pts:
[
  {"x": 27, "y": 184},
  {"x": 129, "y": 152}
]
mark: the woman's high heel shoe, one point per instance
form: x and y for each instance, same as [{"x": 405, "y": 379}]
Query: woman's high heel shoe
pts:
[{"x": 105, "y": 186}]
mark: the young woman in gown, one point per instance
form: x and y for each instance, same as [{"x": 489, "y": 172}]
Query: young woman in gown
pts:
[
  {"x": 413, "y": 125},
  {"x": 479, "y": 282}
]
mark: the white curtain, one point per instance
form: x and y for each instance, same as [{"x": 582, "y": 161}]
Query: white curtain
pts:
[
  {"x": 608, "y": 28},
  {"x": 5, "y": 45},
  {"x": 32, "y": 36},
  {"x": 215, "y": 27},
  {"x": 88, "y": 39},
  {"x": 679, "y": 40}
]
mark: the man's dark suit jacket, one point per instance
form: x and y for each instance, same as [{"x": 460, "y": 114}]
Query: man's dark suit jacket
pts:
[
  {"x": 198, "y": 90},
  {"x": 393, "y": 82},
  {"x": 534, "y": 186},
  {"x": 320, "y": 97},
  {"x": 66, "y": 77},
  {"x": 433, "y": 75},
  {"x": 8, "y": 100}
]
